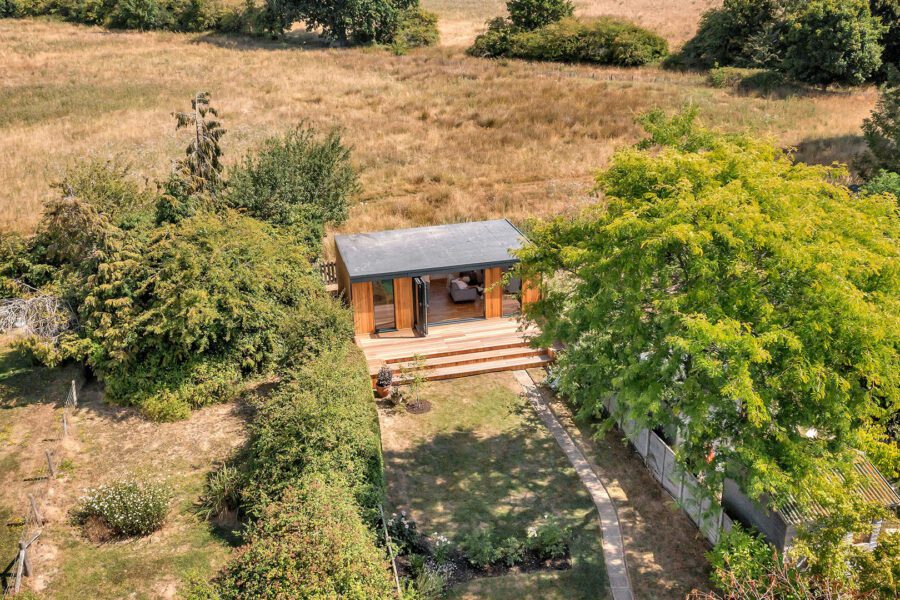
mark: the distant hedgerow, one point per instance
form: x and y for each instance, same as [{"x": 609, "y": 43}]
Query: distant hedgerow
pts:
[{"x": 606, "y": 41}]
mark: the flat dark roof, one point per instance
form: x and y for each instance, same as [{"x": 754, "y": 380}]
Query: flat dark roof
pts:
[{"x": 420, "y": 250}]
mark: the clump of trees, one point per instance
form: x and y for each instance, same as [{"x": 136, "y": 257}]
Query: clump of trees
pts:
[
  {"x": 343, "y": 21},
  {"x": 723, "y": 291},
  {"x": 822, "y": 42},
  {"x": 184, "y": 293},
  {"x": 546, "y": 30}
]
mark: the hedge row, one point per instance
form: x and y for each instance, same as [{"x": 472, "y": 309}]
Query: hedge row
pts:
[
  {"x": 172, "y": 15},
  {"x": 606, "y": 41},
  {"x": 313, "y": 482}
]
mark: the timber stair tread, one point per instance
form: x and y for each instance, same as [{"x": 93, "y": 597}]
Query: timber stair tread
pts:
[
  {"x": 478, "y": 368},
  {"x": 446, "y": 359}
]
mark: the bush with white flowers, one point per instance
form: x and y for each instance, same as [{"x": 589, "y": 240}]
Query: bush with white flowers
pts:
[{"x": 129, "y": 507}]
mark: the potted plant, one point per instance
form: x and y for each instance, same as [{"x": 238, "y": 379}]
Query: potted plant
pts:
[{"x": 383, "y": 381}]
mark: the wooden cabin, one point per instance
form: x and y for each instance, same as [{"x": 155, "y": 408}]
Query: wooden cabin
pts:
[{"x": 409, "y": 279}]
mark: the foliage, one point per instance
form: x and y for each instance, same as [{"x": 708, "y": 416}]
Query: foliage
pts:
[
  {"x": 735, "y": 296},
  {"x": 832, "y": 41},
  {"x": 222, "y": 494},
  {"x": 601, "y": 41},
  {"x": 730, "y": 35},
  {"x": 822, "y": 42},
  {"x": 299, "y": 180},
  {"x": 413, "y": 374},
  {"x": 882, "y": 128},
  {"x": 889, "y": 13},
  {"x": 404, "y": 533},
  {"x": 360, "y": 21},
  {"x": 746, "y": 80},
  {"x": 549, "y": 539},
  {"x": 417, "y": 28},
  {"x": 310, "y": 544},
  {"x": 199, "y": 173},
  {"x": 320, "y": 420},
  {"x": 884, "y": 182},
  {"x": 510, "y": 551},
  {"x": 385, "y": 377},
  {"x": 534, "y": 14},
  {"x": 741, "y": 555},
  {"x": 175, "y": 15},
  {"x": 478, "y": 547},
  {"x": 129, "y": 507},
  {"x": 878, "y": 571}
]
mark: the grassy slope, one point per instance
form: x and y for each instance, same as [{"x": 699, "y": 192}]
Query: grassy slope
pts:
[
  {"x": 439, "y": 136},
  {"x": 105, "y": 443},
  {"x": 481, "y": 456}
]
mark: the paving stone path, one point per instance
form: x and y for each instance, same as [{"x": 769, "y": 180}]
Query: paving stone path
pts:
[{"x": 613, "y": 548}]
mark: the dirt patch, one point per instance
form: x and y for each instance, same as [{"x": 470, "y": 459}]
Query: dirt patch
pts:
[
  {"x": 418, "y": 407},
  {"x": 96, "y": 530}
]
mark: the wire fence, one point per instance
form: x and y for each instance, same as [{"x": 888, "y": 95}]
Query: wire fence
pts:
[{"x": 32, "y": 526}]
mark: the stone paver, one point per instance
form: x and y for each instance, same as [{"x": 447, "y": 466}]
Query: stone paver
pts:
[{"x": 613, "y": 548}]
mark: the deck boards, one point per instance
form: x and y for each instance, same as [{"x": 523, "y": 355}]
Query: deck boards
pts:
[{"x": 457, "y": 349}]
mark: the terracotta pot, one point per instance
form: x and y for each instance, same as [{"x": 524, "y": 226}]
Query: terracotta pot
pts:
[{"x": 382, "y": 392}]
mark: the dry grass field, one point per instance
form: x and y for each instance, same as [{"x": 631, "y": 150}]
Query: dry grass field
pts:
[{"x": 438, "y": 136}]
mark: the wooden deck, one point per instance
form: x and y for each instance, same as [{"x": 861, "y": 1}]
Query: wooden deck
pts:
[{"x": 455, "y": 350}]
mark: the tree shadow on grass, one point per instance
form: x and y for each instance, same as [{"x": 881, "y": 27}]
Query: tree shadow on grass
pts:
[
  {"x": 293, "y": 40},
  {"x": 827, "y": 151},
  {"x": 459, "y": 481}
]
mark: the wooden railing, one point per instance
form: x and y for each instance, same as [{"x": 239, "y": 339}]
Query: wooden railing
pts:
[{"x": 328, "y": 272}]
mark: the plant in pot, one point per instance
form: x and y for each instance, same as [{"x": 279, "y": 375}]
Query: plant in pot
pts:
[{"x": 383, "y": 381}]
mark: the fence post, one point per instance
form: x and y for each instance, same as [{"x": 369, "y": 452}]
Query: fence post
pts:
[
  {"x": 74, "y": 394},
  {"x": 387, "y": 540},
  {"x": 50, "y": 464},
  {"x": 20, "y": 568},
  {"x": 34, "y": 510},
  {"x": 65, "y": 422}
]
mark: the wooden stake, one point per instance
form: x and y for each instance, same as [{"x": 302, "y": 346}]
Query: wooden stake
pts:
[
  {"x": 34, "y": 511},
  {"x": 74, "y": 395},
  {"x": 50, "y": 465},
  {"x": 20, "y": 568},
  {"x": 65, "y": 423},
  {"x": 26, "y": 562}
]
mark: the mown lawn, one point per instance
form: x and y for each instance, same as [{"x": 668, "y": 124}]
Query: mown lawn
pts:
[{"x": 482, "y": 457}]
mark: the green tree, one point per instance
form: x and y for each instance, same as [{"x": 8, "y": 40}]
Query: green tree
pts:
[
  {"x": 882, "y": 128},
  {"x": 733, "y": 295},
  {"x": 299, "y": 180},
  {"x": 889, "y": 13},
  {"x": 201, "y": 165},
  {"x": 832, "y": 41},
  {"x": 360, "y": 21},
  {"x": 534, "y": 14}
]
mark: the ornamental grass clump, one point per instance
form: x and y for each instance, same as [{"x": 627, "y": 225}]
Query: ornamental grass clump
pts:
[{"x": 124, "y": 508}]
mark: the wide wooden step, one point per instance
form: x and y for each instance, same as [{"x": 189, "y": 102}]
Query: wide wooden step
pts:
[
  {"x": 469, "y": 358},
  {"x": 397, "y": 359},
  {"x": 478, "y": 368}
]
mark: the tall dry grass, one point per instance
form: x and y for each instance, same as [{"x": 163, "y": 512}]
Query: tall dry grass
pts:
[{"x": 438, "y": 136}]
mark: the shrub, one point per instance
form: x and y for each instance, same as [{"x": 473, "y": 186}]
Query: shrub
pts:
[
  {"x": 882, "y": 128},
  {"x": 417, "y": 28},
  {"x": 320, "y": 420},
  {"x": 740, "y": 555},
  {"x": 300, "y": 180},
  {"x": 510, "y": 551},
  {"x": 731, "y": 34},
  {"x": 602, "y": 41},
  {"x": 549, "y": 539},
  {"x": 534, "y": 14},
  {"x": 128, "y": 507},
  {"x": 139, "y": 14},
  {"x": 404, "y": 533},
  {"x": 310, "y": 544},
  {"x": 196, "y": 15},
  {"x": 832, "y": 41},
  {"x": 885, "y": 182},
  {"x": 360, "y": 21},
  {"x": 222, "y": 496},
  {"x": 478, "y": 547}
]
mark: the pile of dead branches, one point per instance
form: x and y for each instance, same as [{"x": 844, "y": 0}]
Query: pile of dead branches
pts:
[{"x": 43, "y": 316}]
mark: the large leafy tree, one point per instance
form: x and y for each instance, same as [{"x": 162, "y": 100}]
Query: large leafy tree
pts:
[
  {"x": 725, "y": 291},
  {"x": 832, "y": 41},
  {"x": 533, "y": 14},
  {"x": 344, "y": 21}
]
